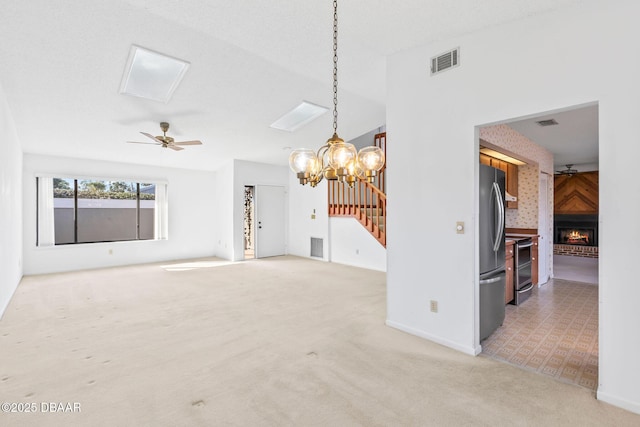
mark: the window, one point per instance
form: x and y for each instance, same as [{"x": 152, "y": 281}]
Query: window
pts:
[{"x": 74, "y": 210}]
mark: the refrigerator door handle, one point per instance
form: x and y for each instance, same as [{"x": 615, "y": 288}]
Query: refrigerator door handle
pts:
[
  {"x": 502, "y": 213},
  {"x": 500, "y": 231}
]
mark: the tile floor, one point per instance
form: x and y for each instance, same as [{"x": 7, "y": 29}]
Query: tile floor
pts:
[{"x": 555, "y": 332}]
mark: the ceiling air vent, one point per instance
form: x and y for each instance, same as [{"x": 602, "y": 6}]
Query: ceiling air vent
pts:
[
  {"x": 549, "y": 122},
  {"x": 445, "y": 61}
]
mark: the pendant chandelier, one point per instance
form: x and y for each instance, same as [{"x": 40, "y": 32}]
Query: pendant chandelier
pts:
[{"x": 336, "y": 160}]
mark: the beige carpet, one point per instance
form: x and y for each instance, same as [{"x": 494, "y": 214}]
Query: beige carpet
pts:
[{"x": 281, "y": 341}]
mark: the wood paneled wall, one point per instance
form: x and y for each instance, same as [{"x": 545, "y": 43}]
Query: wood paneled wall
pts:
[{"x": 576, "y": 194}]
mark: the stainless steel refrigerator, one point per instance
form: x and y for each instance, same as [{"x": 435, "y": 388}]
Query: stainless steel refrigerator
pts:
[{"x": 492, "y": 250}]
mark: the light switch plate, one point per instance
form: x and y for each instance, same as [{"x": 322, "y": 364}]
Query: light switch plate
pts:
[{"x": 460, "y": 227}]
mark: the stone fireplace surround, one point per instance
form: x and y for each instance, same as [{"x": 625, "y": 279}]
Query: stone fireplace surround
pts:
[{"x": 579, "y": 222}]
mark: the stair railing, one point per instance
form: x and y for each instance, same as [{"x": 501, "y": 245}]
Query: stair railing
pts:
[
  {"x": 380, "y": 141},
  {"x": 365, "y": 202}
]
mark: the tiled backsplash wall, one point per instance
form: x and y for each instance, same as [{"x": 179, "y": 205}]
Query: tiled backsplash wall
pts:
[{"x": 526, "y": 216}]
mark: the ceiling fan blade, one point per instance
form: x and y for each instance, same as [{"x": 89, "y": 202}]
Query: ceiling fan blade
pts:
[
  {"x": 140, "y": 142},
  {"x": 188, "y": 143},
  {"x": 148, "y": 135},
  {"x": 173, "y": 147}
]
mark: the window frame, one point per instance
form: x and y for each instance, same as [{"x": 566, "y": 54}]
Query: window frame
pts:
[{"x": 160, "y": 231}]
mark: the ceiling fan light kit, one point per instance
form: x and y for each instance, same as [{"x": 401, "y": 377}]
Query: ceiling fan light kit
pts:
[
  {"x": 336, "y": 160},
  {"x": 166, "y": 141},
  {"x": 568, "y": 171}
]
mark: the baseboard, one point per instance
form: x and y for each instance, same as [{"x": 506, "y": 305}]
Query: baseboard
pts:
[
  {"x": 620, "y": 403},
  {"x": 3, "y": 309},
  {"x": 439, "y": 340},
  {"x": 477, "y": 350}
]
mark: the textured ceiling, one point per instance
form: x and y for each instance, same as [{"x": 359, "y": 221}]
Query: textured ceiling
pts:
[
  {"x": 574, "y": 140},
  {"x": 251, "y": 61}
]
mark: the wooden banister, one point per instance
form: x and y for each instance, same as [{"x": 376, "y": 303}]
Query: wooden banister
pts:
[
  {"x": 367, "y": 202},
  {"x": 363, "y": 201},
  {"x": 380, "y": 141}
]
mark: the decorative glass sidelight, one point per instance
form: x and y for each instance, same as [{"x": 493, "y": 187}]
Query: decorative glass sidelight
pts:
[{"x": 248, "y": 220}]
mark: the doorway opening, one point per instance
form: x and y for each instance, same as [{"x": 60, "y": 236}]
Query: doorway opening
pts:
[
  {"x": 249, "y": 229},
  {"x": 555, "y": 331}
]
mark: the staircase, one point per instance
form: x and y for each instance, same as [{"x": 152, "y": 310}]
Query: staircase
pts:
[{"x": 367, "y": 202}]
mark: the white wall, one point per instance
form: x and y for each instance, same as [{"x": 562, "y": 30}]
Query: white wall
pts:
[
  {"x": 224, "y": 208},
  {"x": 367, "y": 139},
  {"x": 252, "y": 174},
  {"x": 342, "y": 236},
  {"x": 304, "y": 201},
  {"x": 352, "y": 244},
  {"x": 540, "y": 64},
  {"x": 10, "y": 206},
  {"x": 192, "y": 217}
]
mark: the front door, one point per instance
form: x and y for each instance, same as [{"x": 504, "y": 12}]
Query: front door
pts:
[{"x": 270, "y": 221}]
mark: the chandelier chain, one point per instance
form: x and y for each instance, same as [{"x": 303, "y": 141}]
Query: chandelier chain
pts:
[
  {"x": 335, "y": 66},
  {"x": 336, "y": 160}
]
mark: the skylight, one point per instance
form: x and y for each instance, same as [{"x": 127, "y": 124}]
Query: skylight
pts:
[
  {"x": 152, "y": 75},
  {"x": 299, "y": 116}
]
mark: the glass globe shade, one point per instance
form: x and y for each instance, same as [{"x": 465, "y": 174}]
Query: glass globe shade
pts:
[
  {"x": 371, "y": 158},
  {"x": 352, "y": 166},
  {"x": 340, "y": 154},
  {"x": 303, "y": 160}
]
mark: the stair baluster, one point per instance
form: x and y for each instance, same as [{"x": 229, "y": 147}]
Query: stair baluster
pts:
[{"x": 367, "y": 202}]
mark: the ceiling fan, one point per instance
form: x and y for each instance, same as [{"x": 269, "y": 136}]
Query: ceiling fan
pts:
[
  {"x": 568, "y": 171},
  {"x": 166, "y": 141}
]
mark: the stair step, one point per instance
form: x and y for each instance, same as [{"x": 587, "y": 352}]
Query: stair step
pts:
[
  {"x": 379, "y": 221},
  {"x": 369, "y": 213}
]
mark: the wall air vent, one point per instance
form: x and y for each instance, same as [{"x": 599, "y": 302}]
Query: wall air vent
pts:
[
  {"x": 317, "y": 249},
  {"x": 549, "y": 122},
  {"x": 445, "y": 61}
]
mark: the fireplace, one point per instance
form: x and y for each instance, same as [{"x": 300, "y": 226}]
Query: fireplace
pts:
[
  {"x": 577, "y": 230},
  {"x": 576, "y": 236}
]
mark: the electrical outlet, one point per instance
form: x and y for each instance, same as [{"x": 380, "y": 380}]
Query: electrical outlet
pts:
[
  {"x": 110, "y": 251},
  {"x": 434, "y": 306},
  {"x": 313, "y": 216}
]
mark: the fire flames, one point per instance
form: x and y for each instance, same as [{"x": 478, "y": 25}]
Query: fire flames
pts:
[{"x": 577, "y": 237}]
